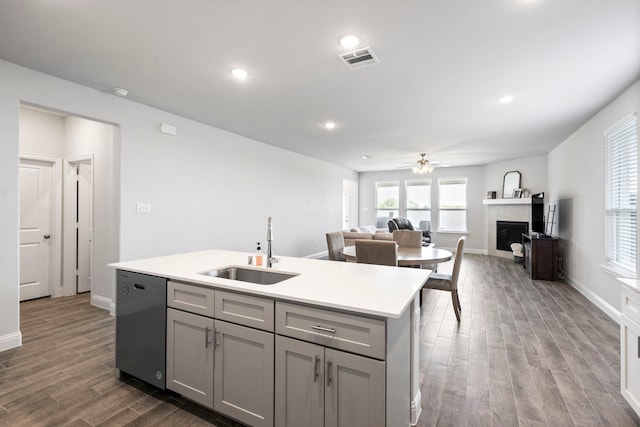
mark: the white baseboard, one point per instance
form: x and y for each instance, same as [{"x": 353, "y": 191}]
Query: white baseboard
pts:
[
  {"x": 103, "y": 302},
  {"x": 10, "y": 341},
  {"x": 609, "y": 310}
]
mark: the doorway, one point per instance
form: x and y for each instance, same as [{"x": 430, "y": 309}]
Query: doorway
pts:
[
  {"x": 84, "y": 200},
  {"x": 78, "y": 223}
]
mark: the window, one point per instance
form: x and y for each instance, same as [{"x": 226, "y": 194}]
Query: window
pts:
[
  {"x": 621, "y": 196},
  {"x": 387, "y": 202},
  {"x": 453, "y": 205},
  {"x": 418, "y": 203}
]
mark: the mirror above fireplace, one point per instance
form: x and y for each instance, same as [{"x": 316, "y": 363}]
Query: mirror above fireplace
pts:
[{"x": 510, "y": 183}]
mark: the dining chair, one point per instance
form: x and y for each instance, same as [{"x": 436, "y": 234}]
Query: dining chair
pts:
[
  {"x": 449, "y": 282},
  {"x": 410, "y": 238},
  {"x": 335, "y": 243},
  {"x": 382, "y": 252}
]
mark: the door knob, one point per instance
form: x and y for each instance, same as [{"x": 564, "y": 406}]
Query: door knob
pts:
[{"x": 47, "y": 236}]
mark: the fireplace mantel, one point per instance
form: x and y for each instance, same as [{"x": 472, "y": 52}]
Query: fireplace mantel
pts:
[{"x": 521, "y": 201}]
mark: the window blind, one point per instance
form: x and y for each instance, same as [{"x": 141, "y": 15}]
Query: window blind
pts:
[
  {"x": 418, "y": 194},
  {"x": 621, "y": 195},
  {"x": 452, "y": 215}
]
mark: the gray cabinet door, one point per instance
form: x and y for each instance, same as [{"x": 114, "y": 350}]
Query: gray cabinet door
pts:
[
  {"x": 299, "y": 383},
  {"x": 244, "y": 374},
  {"x": 355, "y": 390},
  {"x": 190, "y": 356}
]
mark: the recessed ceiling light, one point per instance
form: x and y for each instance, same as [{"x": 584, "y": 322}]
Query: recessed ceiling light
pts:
[
  {"x": 349, "y": 41},
  {"x": 505, "y": 99},
  {"x": 329, "y": 125},
  {"x": 239, "y": 73},
  {"x": 366, "y": 157}
]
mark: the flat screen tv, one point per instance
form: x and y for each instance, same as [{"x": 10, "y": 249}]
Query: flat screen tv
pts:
[{"x": 537, "y": 213}]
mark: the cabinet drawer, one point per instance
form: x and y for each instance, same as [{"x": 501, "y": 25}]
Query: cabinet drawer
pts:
[
  {"x": 191, "y": 298},
  {"x": 247, "y": 310},
  {"x": 349, "y": 332},
  {"x": 631, "y": 304}
]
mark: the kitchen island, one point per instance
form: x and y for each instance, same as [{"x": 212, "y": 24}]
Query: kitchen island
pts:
[{"x": 333, "y": 344}]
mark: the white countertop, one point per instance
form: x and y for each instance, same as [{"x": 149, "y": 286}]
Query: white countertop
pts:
[{"x": 361, "y": 288}]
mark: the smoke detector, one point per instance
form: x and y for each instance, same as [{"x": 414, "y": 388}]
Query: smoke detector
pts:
[
  {"x": 359, "y": 58},
  {"x": 120, "y": 92}
]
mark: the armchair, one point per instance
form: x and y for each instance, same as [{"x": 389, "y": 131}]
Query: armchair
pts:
[{"x": 405, "y": 224}]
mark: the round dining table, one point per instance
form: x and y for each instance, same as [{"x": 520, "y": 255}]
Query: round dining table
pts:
[{"x": 409, "y": 255}]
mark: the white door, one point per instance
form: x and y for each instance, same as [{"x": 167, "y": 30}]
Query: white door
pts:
[
  {"x": 36, "y": 197},
  {"x": 83, "y": 226},
  {"x": 346, "y": 208}
]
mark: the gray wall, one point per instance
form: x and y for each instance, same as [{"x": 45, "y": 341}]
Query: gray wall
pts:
[
  {"x": 576, "y": 184},
  {"x": 208, "y": 188}
]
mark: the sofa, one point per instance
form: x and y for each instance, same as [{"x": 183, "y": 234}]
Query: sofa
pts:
[{"x": 364, "y": 233}]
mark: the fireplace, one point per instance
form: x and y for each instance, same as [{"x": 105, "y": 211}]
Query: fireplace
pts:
[{"x": 508, "y": 232}]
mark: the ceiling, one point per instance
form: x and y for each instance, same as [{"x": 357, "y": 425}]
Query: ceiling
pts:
[{"x": 443, "y": 66}]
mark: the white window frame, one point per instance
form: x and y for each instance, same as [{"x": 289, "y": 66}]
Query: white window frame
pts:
[
  {"x": 442, "y": 183},
  {"x": 621, "y": 195}
]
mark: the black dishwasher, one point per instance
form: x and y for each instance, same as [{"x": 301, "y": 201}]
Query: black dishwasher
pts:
[{"x": 141, "y": 319}]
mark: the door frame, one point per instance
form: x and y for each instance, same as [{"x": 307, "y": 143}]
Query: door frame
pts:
[
  {"x": 55, "y": 217},
  {"x": 69, "y": 265}
]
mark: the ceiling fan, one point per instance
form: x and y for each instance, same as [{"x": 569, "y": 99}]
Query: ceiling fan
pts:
[{"x": 423, "y": 165}]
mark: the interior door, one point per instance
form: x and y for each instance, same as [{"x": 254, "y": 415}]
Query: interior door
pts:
[
  {"x": 346, "y": 208},
  {"x": 36, "y": 186},
  {"x": 84, "y": 228}
]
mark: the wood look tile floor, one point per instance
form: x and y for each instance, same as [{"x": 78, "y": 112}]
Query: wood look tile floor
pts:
[{"x": 526, "y": 353}]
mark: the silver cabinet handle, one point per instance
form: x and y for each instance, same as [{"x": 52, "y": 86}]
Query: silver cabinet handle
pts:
[
  {"x": 216, "y": 338},
  {"x": 329, "y": 374},
  {"x": 207, "y": 341},
  {"x": 316, "y": 369},
  {"x": 323, "y": 329}
]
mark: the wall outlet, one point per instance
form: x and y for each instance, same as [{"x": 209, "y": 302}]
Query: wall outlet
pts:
[{"x": 143, "y": 208}]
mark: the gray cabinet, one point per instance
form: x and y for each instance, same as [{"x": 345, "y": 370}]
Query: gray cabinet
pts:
[
  {"x": 221, "y": 365},
  {"x": 190, "y": 356},
  {"x": 244, "y": 374},
  {"x": 299, "y": 383},
  {"x": 320, "y": 386},
  {"x": 355, "y": 390}
]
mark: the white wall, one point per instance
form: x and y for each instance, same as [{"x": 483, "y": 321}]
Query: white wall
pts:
[
  {"x": 533, "y": 171},
  {"x": 9, "y": 222},
  {"x": 208, "y": 188},
  {"x": 576, "y": 184},
  {"x": 475, "y": 210},
  {"x": 41, "y": 133}
]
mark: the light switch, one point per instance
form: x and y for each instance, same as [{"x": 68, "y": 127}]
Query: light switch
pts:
[{"x": 143, "y": 208}]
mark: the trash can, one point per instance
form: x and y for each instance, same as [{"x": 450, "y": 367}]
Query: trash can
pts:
[{"x": 516, "y": 248}]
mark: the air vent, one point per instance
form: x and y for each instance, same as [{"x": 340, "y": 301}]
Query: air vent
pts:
[{"x": 359, "y": 58}]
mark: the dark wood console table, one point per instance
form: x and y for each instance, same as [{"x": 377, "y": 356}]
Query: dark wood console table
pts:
[{"x": 540, "y": 256}]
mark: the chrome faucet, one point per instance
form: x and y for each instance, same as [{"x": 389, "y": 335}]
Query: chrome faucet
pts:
[{"x": 270, "y": 259}]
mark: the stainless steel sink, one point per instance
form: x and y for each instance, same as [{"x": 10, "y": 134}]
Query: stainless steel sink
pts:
[{"x": 242, "y": 274}]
